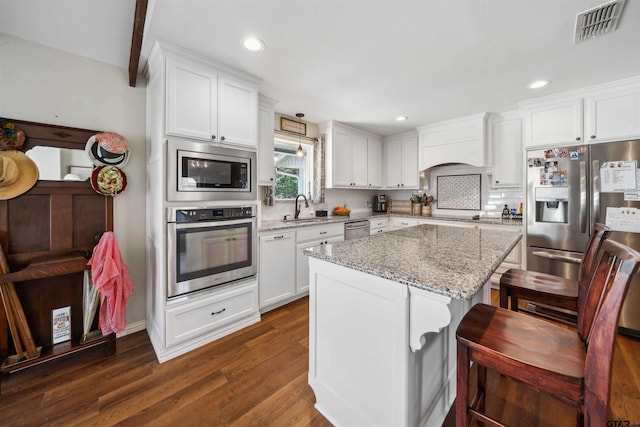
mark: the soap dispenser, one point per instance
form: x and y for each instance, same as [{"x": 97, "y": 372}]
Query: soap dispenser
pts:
[{"x": 505, "y": 212}]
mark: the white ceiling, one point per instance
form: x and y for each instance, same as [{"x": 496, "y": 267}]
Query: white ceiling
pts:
[{"x": 360, "y": 62}]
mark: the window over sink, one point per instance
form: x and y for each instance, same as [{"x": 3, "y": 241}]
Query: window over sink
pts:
[{"x": 293, "y": 174}]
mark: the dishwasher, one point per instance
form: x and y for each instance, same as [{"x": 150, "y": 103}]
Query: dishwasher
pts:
[{"x": 356, "y": 229}]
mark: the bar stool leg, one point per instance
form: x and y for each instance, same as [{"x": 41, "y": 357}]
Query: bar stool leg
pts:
[{"x": 462, "y": 384}]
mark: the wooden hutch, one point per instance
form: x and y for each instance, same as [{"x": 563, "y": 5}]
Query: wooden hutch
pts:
[{"x": 48, "y": 234}]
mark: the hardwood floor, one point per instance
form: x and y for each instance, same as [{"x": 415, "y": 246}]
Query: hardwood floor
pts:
[{"x": 255, "y": 377}]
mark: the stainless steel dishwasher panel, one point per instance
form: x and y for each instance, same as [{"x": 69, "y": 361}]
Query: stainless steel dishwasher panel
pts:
[{"x": 356, "y": 229}]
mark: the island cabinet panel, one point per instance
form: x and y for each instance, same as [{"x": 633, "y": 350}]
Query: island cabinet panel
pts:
[{"x": 362, "y": 368}]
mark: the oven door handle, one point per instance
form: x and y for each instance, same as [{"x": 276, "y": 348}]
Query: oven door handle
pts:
[{"x": 201, "y": 224}]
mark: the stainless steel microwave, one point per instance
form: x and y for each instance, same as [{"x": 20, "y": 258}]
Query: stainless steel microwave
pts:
[{"x": 198, "y": 171}]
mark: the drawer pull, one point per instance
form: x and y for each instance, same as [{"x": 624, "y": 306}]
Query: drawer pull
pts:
[
  {"x": 278, "y": 237},
  {"x": 323, "y": 232},
  {"x": 218, "y": 312}
]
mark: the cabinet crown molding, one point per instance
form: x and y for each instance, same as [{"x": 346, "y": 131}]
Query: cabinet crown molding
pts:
[
  {"x": 581, "y": 92},
  {"x": 330, "y": 124},
  {"x": 162, "y": 48},
  {"x": 266, "y": 102},
  {"x": 454, "y": 122}
]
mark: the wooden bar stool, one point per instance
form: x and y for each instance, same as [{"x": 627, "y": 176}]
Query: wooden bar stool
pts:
[
  {"x": 548, "y": 289},
  {"x": 573, "y": 366}
]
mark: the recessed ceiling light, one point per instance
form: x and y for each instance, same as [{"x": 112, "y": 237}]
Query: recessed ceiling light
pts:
[
  {"x": 538, "y": 84},
  {"x": 401, "y": 118},
  {"x": 253, "y": 43}
]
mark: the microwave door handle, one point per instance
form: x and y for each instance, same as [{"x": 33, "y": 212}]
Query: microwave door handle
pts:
[
  {"x": 583, "y": 197},
  {"x": 595, "y": 194}
]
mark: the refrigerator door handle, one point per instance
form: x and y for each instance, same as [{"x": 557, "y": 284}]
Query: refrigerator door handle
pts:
[
  {"x": 595, "y": 190},
  {"x": 583, "y": 197},
  {"x": 549, "y": 255}
]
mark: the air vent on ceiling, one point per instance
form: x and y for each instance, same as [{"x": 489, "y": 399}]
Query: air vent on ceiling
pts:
[{"x": 597, "y": 21}]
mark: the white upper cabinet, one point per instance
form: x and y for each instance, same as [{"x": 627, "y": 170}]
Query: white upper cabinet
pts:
[
  {"x": 266, "y": 124},
  {"x": 374, "y": 163},
  {"x": 237, "y": 112},
  {"x": 341, "y": 171},
  {"x": 401, "y": 162},
  {"x": 192, "y": 106},
  {"x": 506, "y": 141},
  {"x": 461, "y": 140},
  {"x": 613, "y": 115},
  {"x": 608, "y": 112},
  {"x": 358, "y": 160},
  {"x": 558, "y": 122},
  {"x": 348, "y": 161},
  {"x": 205, "y": 100}
]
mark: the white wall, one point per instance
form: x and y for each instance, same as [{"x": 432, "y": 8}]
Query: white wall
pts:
[{"x": 46, "y": 85}]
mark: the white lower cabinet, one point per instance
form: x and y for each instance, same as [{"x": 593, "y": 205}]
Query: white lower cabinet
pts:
[
  {"x": 277, "y": 268},
  {"x": 217, "y": 313},
  {"x": 396, "y": 222},
  {"x": 283, "y": 271},
  {"x": 378, "y": 225},
  {"x": 313, "y": 236}
]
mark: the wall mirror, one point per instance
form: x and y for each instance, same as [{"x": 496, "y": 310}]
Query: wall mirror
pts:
[{"x": 61, "y": 164}]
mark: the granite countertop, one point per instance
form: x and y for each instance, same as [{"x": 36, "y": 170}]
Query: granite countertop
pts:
[
  {"x": 279, "y": 224},
  {"x": 451, "y": 261}
]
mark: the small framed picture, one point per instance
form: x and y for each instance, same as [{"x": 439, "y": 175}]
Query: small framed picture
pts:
[
  {"x": 293, "y": 126},
  {"x": 60, "y": 325}
]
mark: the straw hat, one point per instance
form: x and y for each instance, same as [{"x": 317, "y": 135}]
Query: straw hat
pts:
[{"x": 18, "y": 173}]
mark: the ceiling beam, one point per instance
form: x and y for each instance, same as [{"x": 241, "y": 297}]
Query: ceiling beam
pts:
[{"x": 136, "y": 40}]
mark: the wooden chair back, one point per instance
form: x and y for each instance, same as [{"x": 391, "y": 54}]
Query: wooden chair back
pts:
[
  {"x": 597, "y": 323},
  {"x": 598, "y": 236}
]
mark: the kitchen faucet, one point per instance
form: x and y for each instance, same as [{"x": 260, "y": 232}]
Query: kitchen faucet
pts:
[{"x": 306, "y": 205}]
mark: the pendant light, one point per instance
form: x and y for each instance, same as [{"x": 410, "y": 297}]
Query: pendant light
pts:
[{"x": 299, "y": 151}]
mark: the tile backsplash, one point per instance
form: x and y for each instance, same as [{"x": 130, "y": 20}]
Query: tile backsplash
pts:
[
  {"x": 492, "y": 200},
  {"x": 458, "y": 192}
]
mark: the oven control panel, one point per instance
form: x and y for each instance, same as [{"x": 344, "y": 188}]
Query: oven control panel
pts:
[{"x": 182, "y": 215}]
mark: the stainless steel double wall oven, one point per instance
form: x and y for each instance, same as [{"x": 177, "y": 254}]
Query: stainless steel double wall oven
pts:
[{"x": 209, "y": 243}]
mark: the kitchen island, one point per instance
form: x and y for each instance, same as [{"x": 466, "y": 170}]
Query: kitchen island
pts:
[{"x": 383, "y": 315}]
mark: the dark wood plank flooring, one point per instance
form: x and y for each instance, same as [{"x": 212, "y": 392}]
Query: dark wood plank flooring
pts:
[{"x": 254, "y": 377}]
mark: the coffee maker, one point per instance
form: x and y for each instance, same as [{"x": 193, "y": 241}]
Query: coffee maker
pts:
[{"x": 380, "y": 203}]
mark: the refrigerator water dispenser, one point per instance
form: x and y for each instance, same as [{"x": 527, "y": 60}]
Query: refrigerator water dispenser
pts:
[{"x": 552, "y": 204}]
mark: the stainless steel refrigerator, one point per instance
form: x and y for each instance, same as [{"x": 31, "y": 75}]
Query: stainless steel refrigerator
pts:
[{"x": 566, "y": 195}]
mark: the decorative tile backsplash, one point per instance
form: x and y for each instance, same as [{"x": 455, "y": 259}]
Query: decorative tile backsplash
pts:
[{"x": 459, "y": 192}]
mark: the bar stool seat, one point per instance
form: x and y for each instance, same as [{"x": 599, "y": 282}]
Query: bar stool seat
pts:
[
  {"x": 549, "y": 289},
  {"x": 542, "y": 288},
  {"x": 554, "y": 357}
]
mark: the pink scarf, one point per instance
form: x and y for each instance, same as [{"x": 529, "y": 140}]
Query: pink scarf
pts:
[{"x": 111, "y": 278}]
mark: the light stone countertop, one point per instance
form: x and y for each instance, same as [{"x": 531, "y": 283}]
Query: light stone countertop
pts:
[
  {"x": 452, "y": 261},
  {"x": 274, "y": 225}
]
